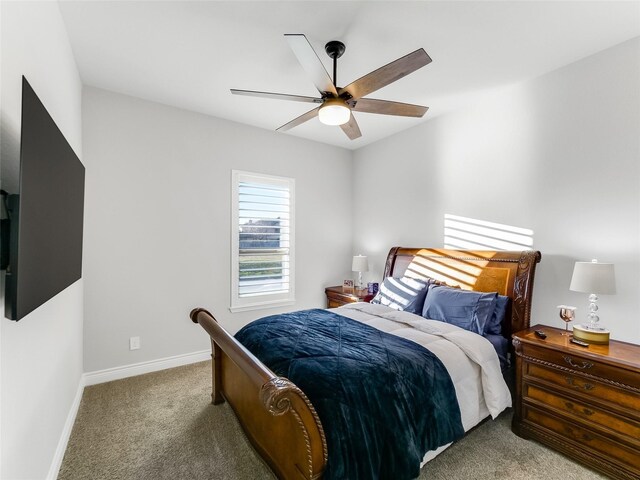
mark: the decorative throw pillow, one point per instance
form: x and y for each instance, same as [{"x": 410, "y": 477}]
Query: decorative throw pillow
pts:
[
  {"x": 494, "y": 326},
  {"x": 463, "y": 308},
  {"x": 402, "y": 294}
]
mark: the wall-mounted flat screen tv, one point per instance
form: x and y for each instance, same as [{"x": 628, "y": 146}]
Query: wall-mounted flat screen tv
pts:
[{"x": 45, "y": 238}]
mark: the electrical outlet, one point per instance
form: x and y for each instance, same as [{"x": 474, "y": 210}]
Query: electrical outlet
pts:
[{"x": 134, "y": 343}]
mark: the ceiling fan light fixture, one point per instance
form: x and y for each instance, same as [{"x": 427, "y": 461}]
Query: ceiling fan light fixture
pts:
[{"x": 334, "y": 112}]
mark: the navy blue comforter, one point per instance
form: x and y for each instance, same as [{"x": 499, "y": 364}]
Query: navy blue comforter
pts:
[{"x": 384, "y": 401}]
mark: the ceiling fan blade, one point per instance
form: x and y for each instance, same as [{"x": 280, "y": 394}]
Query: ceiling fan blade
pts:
[
  {"x": 276, "y": 96},
  {"x": 299, "y": 120},
  {"x": 385, "y": 107},
  {"x": 388, "y": 74},
  {"x": 351, "y": 128},
  {"x": 309, "y": 60}
]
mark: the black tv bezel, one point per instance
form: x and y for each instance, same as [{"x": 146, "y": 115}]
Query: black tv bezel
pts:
[{"x": 46, "y": 216}]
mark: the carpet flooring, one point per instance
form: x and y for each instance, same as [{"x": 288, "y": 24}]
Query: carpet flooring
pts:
[{"x": 163, "y": 426}]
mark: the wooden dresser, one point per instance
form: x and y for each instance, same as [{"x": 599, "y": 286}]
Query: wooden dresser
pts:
[
  {"x": 337, "y": 296},
  {"x": 583, "y": 402}
]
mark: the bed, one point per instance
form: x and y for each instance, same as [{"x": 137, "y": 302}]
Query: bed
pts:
[{"x": 282, "y": 423}]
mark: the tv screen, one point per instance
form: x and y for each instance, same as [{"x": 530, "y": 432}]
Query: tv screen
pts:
[{"x": 45, "y": 238}]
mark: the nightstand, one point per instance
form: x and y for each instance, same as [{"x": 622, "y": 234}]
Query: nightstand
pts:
[
  {"x": 337, "y": 296},
  {"x": 583, "y": 402}
]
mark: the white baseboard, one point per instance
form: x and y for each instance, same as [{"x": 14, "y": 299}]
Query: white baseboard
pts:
[
  {"x": 56, "y": 463},
  {"x": 107, "y": 375},
  {"x": 117, "y": 373}
]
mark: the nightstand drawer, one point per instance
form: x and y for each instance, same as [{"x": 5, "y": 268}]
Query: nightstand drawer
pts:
[
  {"x": 583, "y": 411},
  {"x": 584, "y": 438},
  {"x": 588, "y": 386},
  {"x": 338, "y": 296},
  {"x": 333, "y": 303},
  {"x": 573, "y": 361}
]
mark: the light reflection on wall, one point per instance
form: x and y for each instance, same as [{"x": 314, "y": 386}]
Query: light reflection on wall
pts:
[{"x": 474, "y": 234}]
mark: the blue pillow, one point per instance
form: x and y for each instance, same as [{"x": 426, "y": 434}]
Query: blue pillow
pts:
[
  {"x": 501, "y": 345},
  {"x": 494, "y": 326},
  {"x": 463, "y": 308},
  {"x": 402, "y": 294}
]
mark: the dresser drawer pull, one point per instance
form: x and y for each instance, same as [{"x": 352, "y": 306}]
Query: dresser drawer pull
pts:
[
  {"x": 584, "y": 386},
  {"x": 586, "y": 411},
  {"x": 584, "y": 436},
  {"x": 584, "y": 365}
]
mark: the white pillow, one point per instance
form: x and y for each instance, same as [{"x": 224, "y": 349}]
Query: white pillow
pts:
[{"x": 404, "y": 293}]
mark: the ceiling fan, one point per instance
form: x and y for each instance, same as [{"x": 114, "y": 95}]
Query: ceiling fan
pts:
[{"x": 337, "y": 104}]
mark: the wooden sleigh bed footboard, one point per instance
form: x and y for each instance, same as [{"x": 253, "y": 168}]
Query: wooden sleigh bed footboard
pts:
[{"x": 276, "y": 416}]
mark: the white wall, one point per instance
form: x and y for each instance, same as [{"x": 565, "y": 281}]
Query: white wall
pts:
[
  {"x": 559, "y": 154},
  {"x": 158, "y": 224},
  {"x": 41, "y": 357},
  {"x": 157, "y": 212}
]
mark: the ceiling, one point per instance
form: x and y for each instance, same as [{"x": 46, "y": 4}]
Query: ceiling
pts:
[{"x": 189, "y": 54}]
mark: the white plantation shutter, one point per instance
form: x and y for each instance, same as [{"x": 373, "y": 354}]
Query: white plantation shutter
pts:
[{"x": 262, "y": 241}]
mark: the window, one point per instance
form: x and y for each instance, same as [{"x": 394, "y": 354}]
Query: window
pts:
[{"x": 262, "y": 241}]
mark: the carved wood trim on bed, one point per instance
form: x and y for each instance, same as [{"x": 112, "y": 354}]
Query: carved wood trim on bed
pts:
[{"x": 276, "y": 415}]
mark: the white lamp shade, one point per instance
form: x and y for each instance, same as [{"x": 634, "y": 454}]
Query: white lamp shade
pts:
[
  {"x": 360, "y": 264},
  {"x": 334, "y": 112},
  {"x": 593, "y": 277}
]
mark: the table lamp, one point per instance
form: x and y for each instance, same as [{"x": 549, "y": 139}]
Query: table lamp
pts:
[
  {"x": 360, "y": 264},
  {"x": 593, "y": 278}
]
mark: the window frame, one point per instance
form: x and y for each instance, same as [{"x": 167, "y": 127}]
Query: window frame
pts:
[{"x": 266, "y": 300}]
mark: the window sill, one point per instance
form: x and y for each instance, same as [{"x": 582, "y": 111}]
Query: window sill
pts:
[{"x": 261, "y": 305}]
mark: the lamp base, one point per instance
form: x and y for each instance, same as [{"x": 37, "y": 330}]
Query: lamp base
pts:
[{"x": 597, "y": 337}]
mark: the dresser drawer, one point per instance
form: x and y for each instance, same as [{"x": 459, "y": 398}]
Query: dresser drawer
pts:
[
  {"x": 628, "y": 429},
  {"x": 583, "y": 437},
  {"x": 577, "y": 363},
  {"x": 584, "y": 402},
  {"x": 571, "y": 382}
]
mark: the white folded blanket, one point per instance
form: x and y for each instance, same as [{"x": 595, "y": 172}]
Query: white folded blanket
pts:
[{"x": 447, "y": 342}]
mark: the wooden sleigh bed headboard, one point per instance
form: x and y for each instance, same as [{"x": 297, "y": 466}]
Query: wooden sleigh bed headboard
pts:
[
  {"x": 508, "y": 273},
  {"x": 277, "y": 417}
]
